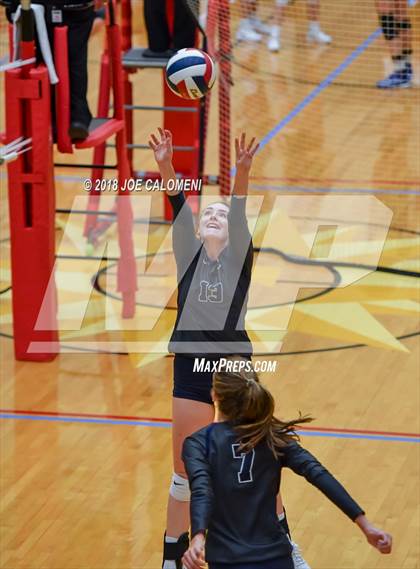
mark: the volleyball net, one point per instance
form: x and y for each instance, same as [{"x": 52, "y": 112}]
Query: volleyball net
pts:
[{"x": 303, "y": 77}]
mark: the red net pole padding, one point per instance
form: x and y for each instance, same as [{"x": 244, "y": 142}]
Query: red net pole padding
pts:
[
  {"x": 185, "y": 128},
  {"x": 32, "y": 212},
  {"x": 126, "y": 272},
  {"x": 62, "y": 92},
  {"x": 224, "y": 95}
]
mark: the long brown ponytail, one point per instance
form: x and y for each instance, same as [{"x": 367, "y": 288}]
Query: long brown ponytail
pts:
[{"x": 249, "y": 406}]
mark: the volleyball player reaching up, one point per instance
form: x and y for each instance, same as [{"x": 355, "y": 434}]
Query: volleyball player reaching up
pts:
[
  {"x": 234, "y": 469},
  {"x": 214, "y": 267}
]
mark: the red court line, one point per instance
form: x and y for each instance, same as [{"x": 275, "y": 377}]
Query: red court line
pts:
[
  {"x": 86, "y": 415},
  {"x": 160, "y": 420},
  {"x": 337, "y": 181}
]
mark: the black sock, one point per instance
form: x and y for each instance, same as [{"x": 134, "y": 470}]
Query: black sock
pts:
[{"x": 175, "y": 551}]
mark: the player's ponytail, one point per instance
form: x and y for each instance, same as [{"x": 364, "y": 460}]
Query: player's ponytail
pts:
[{"x": 249, "y": 406}]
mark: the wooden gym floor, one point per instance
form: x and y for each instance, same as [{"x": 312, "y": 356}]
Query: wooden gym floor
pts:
[{"x": 85, "y": 447}]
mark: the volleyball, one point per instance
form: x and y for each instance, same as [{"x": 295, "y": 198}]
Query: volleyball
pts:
[{"x": 190, "y": 73}]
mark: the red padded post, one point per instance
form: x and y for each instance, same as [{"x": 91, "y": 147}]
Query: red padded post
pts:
[
  {"x": 185, "y": 128},
  {"x": 32, "y": 212}
]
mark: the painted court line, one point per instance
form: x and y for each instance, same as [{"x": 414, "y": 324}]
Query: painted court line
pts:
[
  {"x": 387, "y": 191},
  {"x": 169, "y": 420},
  {"x": 301, "y": 180},
  {"x": 317, "y": 90},
  {"x": 166, "y": 423}
]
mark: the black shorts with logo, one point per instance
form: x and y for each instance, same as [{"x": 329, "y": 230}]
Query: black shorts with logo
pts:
[{"x": 190, "y": 384}]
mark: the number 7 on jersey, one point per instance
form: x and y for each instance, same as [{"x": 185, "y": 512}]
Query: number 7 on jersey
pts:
[{"x": 247, "y": 458}]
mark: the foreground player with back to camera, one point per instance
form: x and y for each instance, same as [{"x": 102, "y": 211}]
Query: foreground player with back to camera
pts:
[
  {"x": 214, "y": 273},
  {"x": 234, "y": 469}
]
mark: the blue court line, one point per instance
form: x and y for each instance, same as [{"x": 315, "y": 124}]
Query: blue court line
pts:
[
  {"x": 313, "y": 190},
  {"x": 133, "y": 423},
  {"x": 127, "y": 422},
  {"x": 317, "y": 90},
  {"x": 359, "y": 436}
]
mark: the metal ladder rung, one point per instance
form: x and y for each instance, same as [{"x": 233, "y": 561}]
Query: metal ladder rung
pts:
[
  {"x": 161, "y": 108},
  {"x": 134, "y": 58}
]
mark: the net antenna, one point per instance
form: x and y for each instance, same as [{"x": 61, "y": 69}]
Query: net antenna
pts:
[{"x": 212, "y": 18}]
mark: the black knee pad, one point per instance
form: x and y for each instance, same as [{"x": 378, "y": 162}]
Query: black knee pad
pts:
[
  {"x": 175, "y": 551},
  {"x": 389, "y": 26}
]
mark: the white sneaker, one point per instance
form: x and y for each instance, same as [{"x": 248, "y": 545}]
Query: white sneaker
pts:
[
  {"x": 273, "y": 42},
  {"x": 298, "y": 560},
  {"x": 246, "y": 32},
  {"x": 259, "y": 26},
  {"x": 316, "y": 35}
]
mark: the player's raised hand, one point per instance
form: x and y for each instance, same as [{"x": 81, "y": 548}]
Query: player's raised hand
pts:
[
  {"x": 245, "y": 152},
  {"x": 162, "y": 148},
  {"x": 194, "y": 557}
]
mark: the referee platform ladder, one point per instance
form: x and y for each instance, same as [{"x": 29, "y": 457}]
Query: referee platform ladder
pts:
[
  {"x": 101, "y": 129},
  {"x": 29, "y": 156}
]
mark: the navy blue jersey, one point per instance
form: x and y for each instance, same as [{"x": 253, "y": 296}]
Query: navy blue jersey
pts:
[
  {"x": 233, "y": 495},
  {"x": 212, "y": 295}
]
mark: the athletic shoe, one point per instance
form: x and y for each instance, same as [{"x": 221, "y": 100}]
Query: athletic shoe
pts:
[
  {"x": 78, "y": 131},
  {"x": 398, "y": 79},
  {"x": 246, "y": 32},
  {"x": 273, "y": 42},
  {"x": 298, "y": 560},
  {"x": 318, "y": 36},
  {"x": 259, "y": 26}
]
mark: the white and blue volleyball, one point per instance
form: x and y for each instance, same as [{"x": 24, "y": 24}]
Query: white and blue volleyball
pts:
[{"x": 190, "y": 73}]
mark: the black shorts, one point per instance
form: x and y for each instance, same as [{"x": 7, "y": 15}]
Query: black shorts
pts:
[
  {"x": 190, "y": 384},
  {"x": 281, "y": 563}
]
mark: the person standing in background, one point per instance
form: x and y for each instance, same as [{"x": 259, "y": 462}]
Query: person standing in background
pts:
[
  {"x": 161, "y": 42},
  {"x": 252, "y": 29},
  {"x": 396, "y": 28},
  {"x": 78, "y": 16}
]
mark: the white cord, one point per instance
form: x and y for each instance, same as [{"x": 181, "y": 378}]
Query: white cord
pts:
[{"x": 17, "y": 63}]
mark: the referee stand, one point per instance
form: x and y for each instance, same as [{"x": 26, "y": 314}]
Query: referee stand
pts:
[
  {"x": 32, "y": 190},
  {"x": 31, "y": 201}
]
